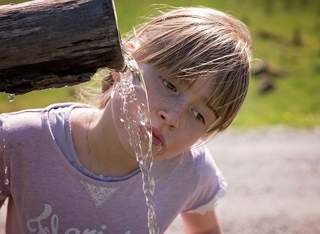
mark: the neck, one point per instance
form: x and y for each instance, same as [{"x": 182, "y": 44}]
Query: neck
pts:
[{"x": 103, "y": 152}]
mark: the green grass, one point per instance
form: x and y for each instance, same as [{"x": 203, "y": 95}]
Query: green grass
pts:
[
  {"x": 296, "y": 99},
  {"x": 35, "y": 99}
]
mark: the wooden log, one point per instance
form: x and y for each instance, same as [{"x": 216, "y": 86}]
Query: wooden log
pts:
[{"x": 54, "y": 43}]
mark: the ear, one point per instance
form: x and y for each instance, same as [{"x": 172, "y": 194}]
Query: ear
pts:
[{"x": 115, "y": 76}]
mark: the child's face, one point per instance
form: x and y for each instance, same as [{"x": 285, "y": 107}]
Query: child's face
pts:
[{"x": 179, "y": 115}]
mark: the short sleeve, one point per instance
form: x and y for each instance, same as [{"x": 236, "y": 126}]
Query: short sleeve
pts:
[
  {"x": 210, "y": 186},
  {"x": 4, "y": 164}
]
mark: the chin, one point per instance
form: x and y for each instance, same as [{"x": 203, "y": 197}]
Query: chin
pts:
[
  {"x": 158, "y": 155},
  {"x": 164, "y": 155}
]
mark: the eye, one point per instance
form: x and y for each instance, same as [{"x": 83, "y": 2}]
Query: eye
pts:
[
  {"x": 198, "y": 116},
  {"x": 169, "y": 85}
]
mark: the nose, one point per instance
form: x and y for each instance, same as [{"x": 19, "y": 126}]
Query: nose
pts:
[{"x": 171, "y": 118}]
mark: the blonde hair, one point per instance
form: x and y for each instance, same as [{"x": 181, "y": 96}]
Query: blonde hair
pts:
[{"x": 197, "y": 42}]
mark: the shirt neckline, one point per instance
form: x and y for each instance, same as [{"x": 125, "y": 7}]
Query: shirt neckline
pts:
[{"x": 91, "y": 176}]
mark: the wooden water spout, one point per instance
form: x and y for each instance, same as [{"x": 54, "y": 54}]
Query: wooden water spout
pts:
[{"x": 54, "y": 43}]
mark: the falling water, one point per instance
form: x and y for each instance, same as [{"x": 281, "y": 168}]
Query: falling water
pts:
[
  {"x": 11, "y": 97},
  {"x": 133, "y": 94}
]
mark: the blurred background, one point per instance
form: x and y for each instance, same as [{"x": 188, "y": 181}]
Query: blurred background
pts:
[{"x": 273, "y": 166}]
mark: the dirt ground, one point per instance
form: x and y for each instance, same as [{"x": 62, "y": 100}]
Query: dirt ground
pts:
[{"x": 274, "y": 182}]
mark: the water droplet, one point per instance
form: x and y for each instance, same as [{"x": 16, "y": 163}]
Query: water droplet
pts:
[
  {"x": 11, "y": 97},
  {"x": 6, "y": 181},
  {"x": 6, "y": 170},
  {"x": 121, "y": 120}
]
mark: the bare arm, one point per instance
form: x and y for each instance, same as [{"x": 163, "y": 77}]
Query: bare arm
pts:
[{"x": 196, "y": 223}]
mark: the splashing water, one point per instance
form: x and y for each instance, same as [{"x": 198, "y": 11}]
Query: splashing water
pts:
[
  {"x": 11, "y": 97},
  {"x": 134, "y": 116}
]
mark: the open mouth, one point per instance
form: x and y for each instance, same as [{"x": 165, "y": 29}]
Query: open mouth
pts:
[{"x": 157, "y": 138}]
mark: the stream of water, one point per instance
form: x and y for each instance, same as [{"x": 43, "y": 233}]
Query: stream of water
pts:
[{"x": 134, "y": 115}]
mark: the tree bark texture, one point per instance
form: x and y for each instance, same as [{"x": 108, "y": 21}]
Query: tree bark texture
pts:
[{"x": 54, "y": 43}]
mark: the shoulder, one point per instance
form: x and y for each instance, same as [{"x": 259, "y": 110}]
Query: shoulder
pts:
[
  {"x": 209, "y": 183},
  {"x": 202, "y": 162},
  {"x": 203, "y": 169},
  {"x": 29, "y": 117},
  {"x": 28, "y": 121},
  {"x": 17, "y": 121}
]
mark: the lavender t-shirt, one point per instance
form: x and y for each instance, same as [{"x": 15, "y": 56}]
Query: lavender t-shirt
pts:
[{"x": 50, "y": 194}]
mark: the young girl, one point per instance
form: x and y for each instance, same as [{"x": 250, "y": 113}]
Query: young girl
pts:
[{"x": 69, "y": 168}]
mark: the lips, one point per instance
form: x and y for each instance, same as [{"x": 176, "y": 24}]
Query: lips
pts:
[{"x": 157, "y": 138}]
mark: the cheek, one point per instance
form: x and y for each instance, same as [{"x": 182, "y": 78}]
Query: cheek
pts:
[
  {"x": 190, "y": 139},
  {"x": 156, "y": 92},
  {"x": 190, "y": 127},
  {"x": 133, "y": 99},
  {"x": 185, "y": 139},
  {"x": 157, "y": 99}
]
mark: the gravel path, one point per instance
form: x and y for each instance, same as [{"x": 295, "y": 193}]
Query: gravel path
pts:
[{"x": 274, "y": 182}]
